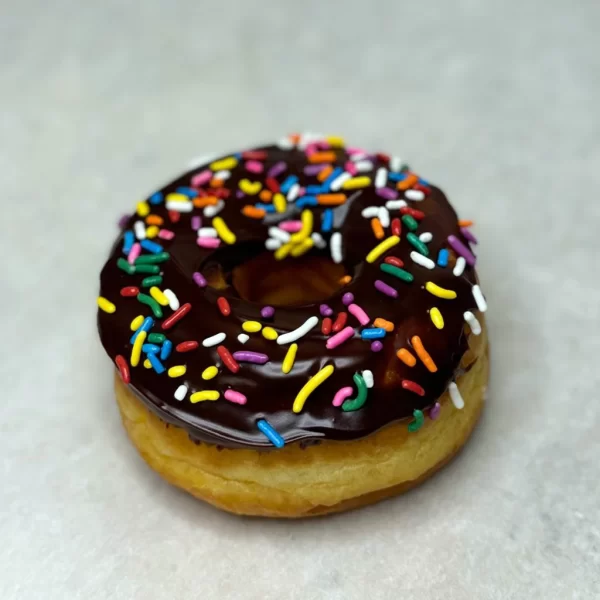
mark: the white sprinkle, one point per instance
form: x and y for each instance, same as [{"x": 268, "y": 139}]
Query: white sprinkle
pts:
[
  {"x": 213, "y": 209},
  {"x": 426, "y": 237},
  {"x": 222, "y": 175},
  {"x": 381, "y": 178},
  {"x": 180, "y": 392},
  {"x": 337, "y": 183},
  {"x": 368, "y": 377},
  {"x": 207, "y": 232},
  {"x": 363, "y": 166},
  {"x": 243, "y": 338},
  {"x": 395, "y": 164},
  {"x": 301, "y": 331},
  {"x": 307, "y": 138},
  {"x": 182, "y": 207},
  {"x": 471, "y": 319},
  {"x": 422, "y": 260},
  {"x": 384, "y": 216},
  {"x": 272, "y": 244},
  {"x": 172, "y": 298},
  {"x": 213, "y": 340},
  {"x": 414, "y": 195},
  {"x": 455, "y": 396},
  {"x": 279, "y": 234},
  {"x": 358, "y": 156},
  {"x": 140, "y": 230},
  {"x": 318, "y": 240},
  {"x": 479, "y": 299},
  {"x": 459, "y": 267},
  {"x": 395, "y": 204},
  {"x": 200, "y": 160},
  {"x": 370, "y": 212},
  {"x": 336, "y": 247},
  {"x": 293, "y": 192},
  {"x": 285, "y": 144}
]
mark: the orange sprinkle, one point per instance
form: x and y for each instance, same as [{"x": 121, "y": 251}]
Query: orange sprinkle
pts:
[
  {"x": 406, "y": 357},
  {"x": 346, "y": 279},
  {"x": 423, "y": 354},
  {"x": 203, "y": 201},
  {"x": 265, "y": 195},
  {"x": 294, "y": 138},
  {"x": 465, "y": 223},
  {"x": 377, "y": 228},
  {"x": 154, "y": 220},
  {"x": 253, "y": 212},
  {"x": 217, "y": 183},
  {"x": 407, "y": 183},
  {"x": 321, "y": 157},
  {"x": 325, "y": 173},
  {"x": 387, "y": 325},
  {"x": 331, "y": 199}
]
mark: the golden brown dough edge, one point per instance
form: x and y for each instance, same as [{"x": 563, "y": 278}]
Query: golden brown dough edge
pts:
[{"x": 325, "y": 478}]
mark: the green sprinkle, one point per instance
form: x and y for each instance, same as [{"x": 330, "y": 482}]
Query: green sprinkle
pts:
[
  {"x": 396, "y": 272},
  {"x": 409, "y": 221},
  {"x": 417, "y": 243},
  {"x": 418, "y": 422},
  {"x": 156, "y": 338},
  {"x": 152, "y": 259},
  {"x": 361, "y": 397},
  {"x": 152, "y": 269},
  {"x": 125, "y": 266},
  {"x": 152, "y": 303},
  {"x": 152, "y": 280}
]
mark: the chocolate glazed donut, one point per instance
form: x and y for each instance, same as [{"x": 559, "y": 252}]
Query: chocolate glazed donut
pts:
[{"x": 216, "y": 268}]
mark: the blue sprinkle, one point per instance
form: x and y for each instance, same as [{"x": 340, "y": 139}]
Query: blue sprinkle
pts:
[
  {"x": 270, "y": 433},
  {"x": 307, "y": 201},
  {"x": 327, "y": 223},
  {"x": 443, "y": 257},
  {"x": 423, "y": 181},
  {"x": 397, "y": 176},
  {"x": 334, "y": 175},
  {"x": 156, "y": 364},
  {"x": 238, "y": 155},
  {"x": 288, "y": 183},
  {"x": 128, "y": 240},
  {"x": 145, "y": 326},
  {"x": 187, "y": 191},
  {"x": 166, "y": 349},
  {"x": 372, "y": 334},
  {"x": 266, "y": 207},
  {"x": 316, "y": 189},
  {"x": 156, "y": 198},
  {"x": 150, "y": 348},
  {"x": 151, "y": 246}
]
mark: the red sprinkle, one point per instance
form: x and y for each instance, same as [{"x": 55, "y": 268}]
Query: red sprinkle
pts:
[
  {"x": 383, "y": 157},
  {"x": 174, "y": 216},
  {"x": 186, "y": 346},
  {"x": 413, "y": 212},
  {"x": 423, "y": 188},
  {"x": 407, "y": 384},
  {"x": 130, "y": 291},
  {"x": 123, "y": 368},
  {"x": 178, "y": 314},
  {"x": 227, "y": 359},
  {"x": 396, "y": 226},
  {"x": 254, "y": 155},
  {"x": 272, "y": 184},
  {"x": 340, "y": 322},
  {"x": 326, "y": 326},
  {"x": 222, "y": 193},
  {"x": 223, "y": 306},
  {"x": 394, "y": 260}
]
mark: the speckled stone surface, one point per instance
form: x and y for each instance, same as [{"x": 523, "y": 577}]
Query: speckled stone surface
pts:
[{"x": 496, "y": 102}]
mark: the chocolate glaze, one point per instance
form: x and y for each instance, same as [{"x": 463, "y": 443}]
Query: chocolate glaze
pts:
[{"x": 270, "y": 393}]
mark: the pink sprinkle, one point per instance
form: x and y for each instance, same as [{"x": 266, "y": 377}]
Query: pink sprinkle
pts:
[
  {"x": 201, "y": 178},
  {"x": 341, "y": 395},
  {"x": 376, "y": 346},
  {"x": 236, "y": 397},
  {"x": 461, "y": 249},
  {"x": 355, "y": 150},
  {"x": 350, "y": 168},
  {"x": 196, "y": 222},
  {"x": 254, "y": 166},
  {"x": 360, "y": 314},
  {"x": 291, "y": 226},
  {"x": 311, "y": 148},
  {"x": 166, "y": 234},
  {"x": 323, "y": 145},
  {"x": 434, "y": 412},
  {"x": 206, "y": 242},
  {"x": 135, "y": 251},
  {"x": 387, "y": 193},
  {"x": 339, "y": 338}
]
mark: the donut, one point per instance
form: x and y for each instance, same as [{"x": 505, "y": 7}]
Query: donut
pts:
[{"x": 296, "y": 329}]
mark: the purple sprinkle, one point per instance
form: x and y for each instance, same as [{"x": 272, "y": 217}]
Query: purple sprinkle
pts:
[
  {"x": 376, "y": 346},
  {"x": 313, "y": 169},
  {"x": 462, "y": 250},
  {"x": 325, "y": 310},
  {"x": 266, "y": 312},
  {"x": 251, "y": 357},
  {"x": 239, "y": 194},
  {"x": 277, "y": 169},
  {"x": 199, "y": 279},
  {"x": 348, "y": 298},
  {"x": 196, "y": 222},
  {"x": 123, "y": 221},
  {"x": 387, "y": 193},
  {"x": 434, "y": 412},
  {"x": 465, "y": 231},
  {"x": 386, "y": 289}
]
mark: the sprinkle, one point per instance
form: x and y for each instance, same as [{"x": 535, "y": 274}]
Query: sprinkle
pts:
[
  {"x": 341, "y": 395},
  {"x": 210, "y": 373},
  {"x": 377, "y": 228},
  {"x": 425, "y": 237},
  {"x": 251, "y": 357},
  {"x": 462, "y": 250},
  {"x": 223, "y": 305},
  {"x": 151, "y": 246},
  {"x": 456, "y": 396},
  {"x": 166, "y": 234},
  {"x": 407, "y": 183},
  {"x": 166, "y": 349},
  {"x": 307, "y": 225},
  {"x": 421, "y": 260},
  {"x": 180, "y": 392},
  {"x": 370, "y": 211},
  {"x": 146, "y": 326},
  {"x": 123, "y": 368},
  {"x": 322, "y": 157},
  {"x": 386, "y": 289},
  {"x": 271, "y": 434},
  {"x": 443, "y": 255},
  {"x": 135, "y": 251},
  {"x": 396, "y": 227},
  {"x": 356, "y": 183},
  {"x": 325, "y": 310},
  {"x": 228, "y": 359},
  {"x": 479, "y": 299},
  {"x": 419, "y": 419},
  {"x": 406, "y": 357},
  {"x": 159, "y": 296},
  {"x": 253, "y": 212},
  {"x": 381, "y": 177},
  {"x": 396, "y": 272},
  {"x": 201, "y": 178},
  {"x": 176, "y": 371},
  {"x": 254, "y": 166},
  {"x": 172, "y": 298},
  {"x": 152, "y": 303},
  {"x": 136, "y": 323},
  {"x": 440, "y": 292},
  {"x": 128, "y": 240},
  {"x": 279, "y": 234},
  {"x": 288, "y": 183},
  {"x": 213, "y": 340},
  {"x": 411, "y": 386},
  {"x": 339, "y": 322},
  {"x": 414, "y": 195},
  {"x": 336, "y": 247},
  {"x": 359, "y": 313},
  {"x": 395, "y": 204},
  {"x": 387, "y": 325},
  {"x": 394, "y": 260},
  {"x": 303, "y": 247},
  {"x": 199, "y": 279},
  {"x": 279, "y": 203},
  {"x": 186, "y": 346},
  {"x": 374, "y": 333},
  {"x": 376, "y": 346},
  {"x": 310, "y": 386},
  {"x": 224, "y": 163},
  {"x": 417, "y": 243},
  {"x": 474, "y": 324},
  {"x": 208, "y": 242},
  {"x": 361, "y": 396},
  {"x": 318, "y": 240},
  {"x": 180, "y": 207},
  {"x": 149, "y": 282},
  {"x": 156, "y": 338},
  {"x": 106, "y": 305},
  {"x": 156, "y": 198},
  {"x": 176, "y": 316},
  {"x": 436, "y": 317},
  {"x": 271, "y": 244},
  {"x": 426, "y": 359},
  {"x": 434, "y": 411},
  {"x": 152, "y": 259},
  {"x": 323, "y": 173},
  {"x": 235, "y": 397},
  {"x": 140, "y": 230},
  {"x": 348, "y": 298},
  {"x": 381, "y": 248},
  {"x": 345, "y": 280},
  {"x": 290, "y": 357},
  {"x": 146, "y": 268},
  {"x": 204, "y": 395},
  {"x": 327, "y": 220},
  {"x": 410, "y": 222},
  {"x": 136, "y": 350},
  {"x": 468, "y": 235},
  {"x": 459, "y": 267},
  {"x": 155, "y": 363},
  {"x": 465, "y": 223},
  {"x": 339, "y": 338},
  {"x": 269, "y": 333},
  {"x": 301, "y": 331},
  {"x": 147, "y": 348},
  {"x": 251, "y": 326},
  {"x": 243, "y": 338},
  {"x": 340, "y": 181}
]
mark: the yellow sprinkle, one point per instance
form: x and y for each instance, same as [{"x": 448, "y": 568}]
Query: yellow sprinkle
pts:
[
  {"x": 147, "y": 364},
  {"x": 136, "y": 323},
  {"x": 303, "y": 247},
  {"x": 175, "y": 197},
  {"x": 251, "y": 326},
  {"x": 290, "y": 357},
  {"x": 436, "y": 317},
  {"x": 159, "y": 296},
  {"x": 270, "y": 333},
  {"x": 310, "y": 386},
  {"x": 210, "y": 373},
  {"x": 224, "y": 232},
  {"x": 143, "y": 209},
  {"x": 250, "y": 187},
  {"x": 152, "y": 231},
  {"x": 204, "y": 395},
  {"x": 382, "y": 248},
  {"x": 307, "y": 225},
  {"x": 440, "y": 292},
  {"x": 356, "y": 183},
  {"x": 224, "y": 164},
  {"x": 106, "y": 305},
  {"x": 136, "y": 350},
  {"x": 279, "y": 202},
  {"x": 177, "y": 371},
  {"x": 283, "y": 251},
  {"x": 335, "y": 141}
]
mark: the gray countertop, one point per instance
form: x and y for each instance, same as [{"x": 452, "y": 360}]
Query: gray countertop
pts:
[{"x": 496, "y": 102}]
